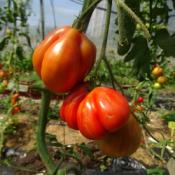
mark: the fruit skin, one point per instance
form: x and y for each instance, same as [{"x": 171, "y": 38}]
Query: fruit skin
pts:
[
  {"x": 64, "y": 58},
  {"x": 157, "y": 71},
  {"x": 123, "y": 142},
  {"x": 162, "y": 79},
  {"x": 68, "y": 111},
  {"x": 157, "y": 85},
  {"x": 103, "y": 110}
]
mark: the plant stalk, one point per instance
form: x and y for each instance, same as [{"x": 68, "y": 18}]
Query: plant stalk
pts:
[
  {"x": 41, "y": 144},
  {"x": 82, "y": 21},
  {"x": 42, "y": 18}
]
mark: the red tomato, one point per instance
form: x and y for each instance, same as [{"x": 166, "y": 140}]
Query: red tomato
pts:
[
  {"x": 140, "y": 99},
  {"x": 15, "y": 110},
  {"x": 102, "y": 110},
  {"x": 14, "y": 98},
  {"x": 64, "y": 58},
  {"x": 68, "y": 111}
]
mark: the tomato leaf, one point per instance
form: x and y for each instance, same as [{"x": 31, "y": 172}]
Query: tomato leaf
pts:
[
  {"x": 3, "y": 42},
  {"x": 169, "y": 117},
  {"x": 165, "y": 42},
  {"x": 140, "y": 54},
  {"x": 27, "y": 39},
  {"x": 19, "y": 52}
]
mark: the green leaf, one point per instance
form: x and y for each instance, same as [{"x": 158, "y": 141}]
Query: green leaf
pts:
[
  {"x": 19, "y": 52},
  {"x": 165, "y": 42},
  {"x": 3, "y": 42},
  {"x": 140, "y": 54},
  {"x": 27, "y": 39},
  {"x": 171, "y": 125},
  {"x": 169, "y": 117},
  {"x": 126, "y": 26}
]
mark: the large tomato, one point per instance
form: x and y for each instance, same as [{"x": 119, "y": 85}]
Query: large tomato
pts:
[
  {"x": 123, "y": 142},
  {"x": 64, "y": 58},
  {"x": 68, "y": 111},
  {"x": 100, "y": 111}
]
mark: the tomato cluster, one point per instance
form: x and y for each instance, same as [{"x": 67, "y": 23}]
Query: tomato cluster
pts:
[
  {"x": 158, "y": 75},
  {"x": 62, "y": 60},
  {"x": 3, "y": 78},
  {"x": 103, "y": 114}
]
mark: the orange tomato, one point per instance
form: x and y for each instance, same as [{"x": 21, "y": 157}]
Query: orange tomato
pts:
[
  {"x": 14, "y": 98},
  {"x": 162, "y": 79},
  {"x": 157, "y": 71},
  {"x": 64, "y": 58},
  {"x": 124, "y": 141}
]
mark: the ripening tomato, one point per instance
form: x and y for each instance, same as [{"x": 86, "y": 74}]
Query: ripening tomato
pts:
[
  {"x": 162, "y": 79},
  {"x": 68, "y": 111},
  {"x": 124, "y": 141},
  {"x": 14, "y": 98},
  {"x": 64, "y": 58},
  {"x": 102, "y": 110},
  {"x": 15, "y": 110},
  {"x": 157, "y": 71},
  {"x": 3, "y": 73}
]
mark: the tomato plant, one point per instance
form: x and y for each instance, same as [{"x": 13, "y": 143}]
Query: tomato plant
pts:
[{"x": 61, "y": 68}]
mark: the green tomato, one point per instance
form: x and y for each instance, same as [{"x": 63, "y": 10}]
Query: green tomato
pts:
[{"x": 157, "y": 85}]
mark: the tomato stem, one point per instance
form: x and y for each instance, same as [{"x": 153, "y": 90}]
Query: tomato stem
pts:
[
  {"x": 120, "y": 3},
  {"x": 41, "y": 144},
  {"x": 83, "y": 19},
  {"x": 103, "y": 48}
]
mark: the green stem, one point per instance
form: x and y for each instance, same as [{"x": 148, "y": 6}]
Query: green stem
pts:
[
  {"x": 82, "y": 21},
  {"x": 120, "y": 3},
  {"x": 42, "y": 18},
  {"x": 41, "y": 144},
  {"x": 150, "y": 15},
  {"x": 105, "y": 35},
  {"x": 103, "y": 48}
]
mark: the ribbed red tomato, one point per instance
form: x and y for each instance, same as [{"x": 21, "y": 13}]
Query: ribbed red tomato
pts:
[
  {"x": 68, "y": 111},
  {"x": 64, "y": 58},
  {"x": 101, "y": 111}
]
